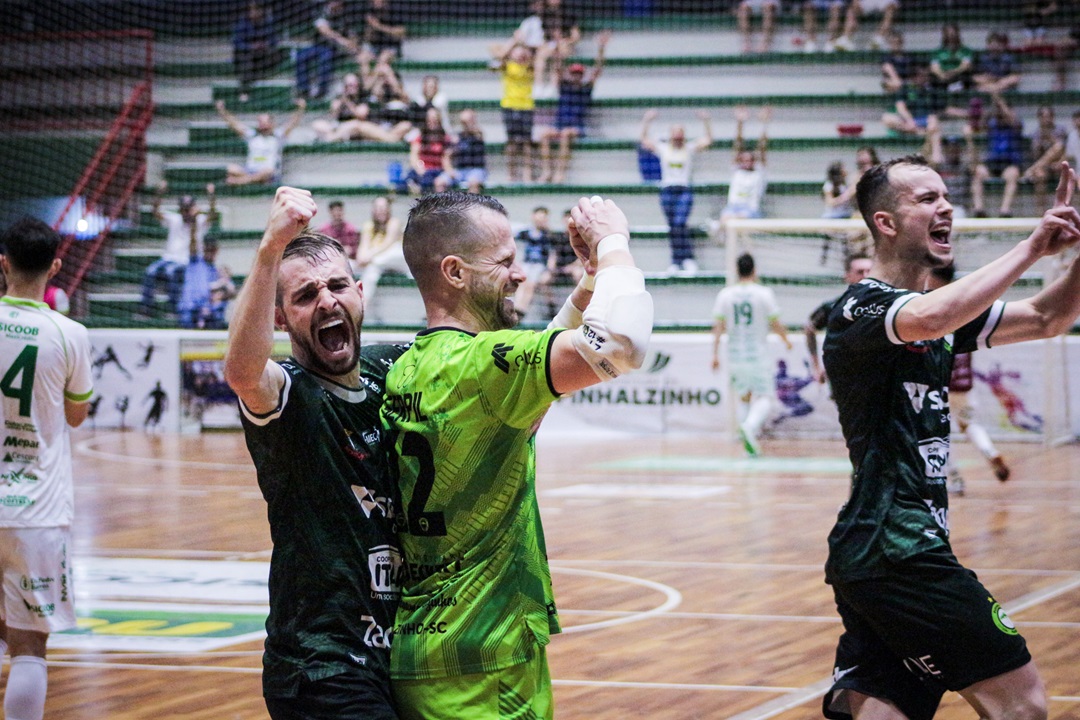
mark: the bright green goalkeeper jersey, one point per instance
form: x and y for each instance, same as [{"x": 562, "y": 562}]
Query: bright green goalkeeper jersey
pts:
[{"x": 464, "y": 410}]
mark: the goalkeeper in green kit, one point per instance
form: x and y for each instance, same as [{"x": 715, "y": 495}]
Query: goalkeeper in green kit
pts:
[{"x": 463, "y": 405}]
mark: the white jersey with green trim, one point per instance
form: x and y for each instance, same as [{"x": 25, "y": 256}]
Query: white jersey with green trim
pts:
[
  {"x": 748, "y": 309},
  {"x": 44, "y": 359}
]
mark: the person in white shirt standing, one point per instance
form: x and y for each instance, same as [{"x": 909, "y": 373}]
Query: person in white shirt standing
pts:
[
  {"x": 748, "y": 182},
  {"x": 45, "y": 381},
  {"x": 186, "y": 230},
  {"x": 746, "y": 311},
  {"x": 676, "y": 193}
]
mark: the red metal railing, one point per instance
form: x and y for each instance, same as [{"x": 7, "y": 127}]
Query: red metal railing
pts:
[{"x": 108, "y": 183}]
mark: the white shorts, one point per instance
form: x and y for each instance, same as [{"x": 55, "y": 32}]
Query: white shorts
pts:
[
  {"x": 38, "y": 590},
  {"x": 876, "y": 6},
  {"x": 752, "y": 378}
]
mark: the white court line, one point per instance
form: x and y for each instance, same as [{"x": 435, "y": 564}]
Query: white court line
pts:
[
  {"x": 161, "y": 668},
  {"x": 86, "y": 447},
  {"x": 802, "y": 695},
  {"x": 673, "y": 598},
  {"x": 668, "y": 686}
]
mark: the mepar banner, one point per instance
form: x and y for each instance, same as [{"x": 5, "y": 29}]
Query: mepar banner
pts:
[{"x": 174, "y": 381}]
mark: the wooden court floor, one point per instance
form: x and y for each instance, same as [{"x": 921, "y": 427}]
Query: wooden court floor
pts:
[{"x": 689, "y": 578}]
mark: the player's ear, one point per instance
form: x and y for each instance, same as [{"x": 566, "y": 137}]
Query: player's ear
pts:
[
  {"x": 885, "y": 223},
  {"x": 453, "y": 270},
  {"x": 54, "y": 268},
  {"x": 279, "y": 318}
]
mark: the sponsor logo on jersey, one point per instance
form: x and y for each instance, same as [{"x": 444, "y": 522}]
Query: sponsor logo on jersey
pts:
[
  {"x": 935, "y": 454},
  {"x": 529, "y": 359},
  {"x": 941, "y": 517},
  {"x": 16, "y": 477},
  {"x": 32, "y": 584},
  {"x": 15, "y": 500},
  {"x": 10, "y": 441},
  {"x": 21, "y": 426},
  {"x": 20, "y": 330},
  {"x": 419, "y": 628},
  {"x": 1001, "y": 619},
  {"x": 851, "y": 311},
  {"x": 371, "y": 503},
  {"x": 385, "y": 566},
  {"x": 499, "y": 354},
  {"x": 19, "y": 457}
]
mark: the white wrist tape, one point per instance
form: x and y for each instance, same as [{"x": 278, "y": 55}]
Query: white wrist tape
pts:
[
  {"x": 617, "y": 323},
  {"x": 569, "y": 316},
  {"x": 617, "y": 241}
]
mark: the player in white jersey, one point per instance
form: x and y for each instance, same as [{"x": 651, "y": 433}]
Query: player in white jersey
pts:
[
  {"x": 746, "y": 311},
  {"x": 45, "y": 386}
]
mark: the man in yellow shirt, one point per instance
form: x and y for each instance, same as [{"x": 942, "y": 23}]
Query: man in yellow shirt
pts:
[{"x": 515, "y": 63}]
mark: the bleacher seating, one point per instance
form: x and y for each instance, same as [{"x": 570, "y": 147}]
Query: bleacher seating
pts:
[{"x": 678, "y": 70}]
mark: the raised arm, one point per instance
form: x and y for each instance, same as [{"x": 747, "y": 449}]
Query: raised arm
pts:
[
  {"x": 1048, "y": 313},
  {"x": 296, "y": 118},
  {"x": 646, "y": 123},
  {"x": 250, "y": 372},
  {"x": 212, "y": 214},
  {"x": 706, "y": 138},
  {"x": 617, "y": 321},
  {"x": 231, "y": 120},
  {"x": 602, "y": 40},
  {"x": 324, "y": 28},
  {"x": 738, "y": 144},
  {"x": 763, "y": 142},
  {"x": 155, "y": 210}
]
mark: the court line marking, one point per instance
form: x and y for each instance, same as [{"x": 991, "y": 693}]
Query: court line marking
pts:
[
  {"x": 161, "y": 668},
  {"x": 672, "y": 598},
  {"x": 668, "y": 686},
  {"x": 803, "y": 695},
  {"x": 87, "y": 447}
]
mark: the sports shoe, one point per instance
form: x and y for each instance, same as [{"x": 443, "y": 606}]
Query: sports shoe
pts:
[
  {"x": 1001, "y": 470},
  {"x": 689, "y": 267},
  {"x": 843, "y": 43},
  {"x": 830, "y": 46},
  {"x": 878, "y": 42},
  {"x": 809, "y": 46},
  {"x": 674, "y": 269},
  {"x": 955, "y": 484},
  {"x": 749, "y": 442}
]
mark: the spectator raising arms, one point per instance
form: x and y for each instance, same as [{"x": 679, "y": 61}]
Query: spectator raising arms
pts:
[
  {"x": 571, "y": 115},
  {"x": 329, "y": 34},
  {"x": 265, "y": 144},
  {"x": 518, "y": 109},
  {"x": 383, "y": 31},
  {"x": 255, "y": 46},
  {"x": 748, "y": 183},
  {"x": 186, "y": 230}
]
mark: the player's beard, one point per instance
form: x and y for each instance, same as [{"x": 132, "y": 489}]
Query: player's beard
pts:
[{"x": 494, "y": 306}]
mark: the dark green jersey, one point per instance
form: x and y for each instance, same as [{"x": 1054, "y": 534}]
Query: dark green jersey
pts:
[
  {"x": 476, "y": 592},
  {"x": 893, "y": 400},
  {"x": 320, "y": 457}
]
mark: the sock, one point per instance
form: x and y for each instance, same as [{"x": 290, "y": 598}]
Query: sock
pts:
[
  {"x": 757, "y": 415},
  {"x": 981, "y": 439},
  {"x": 27, "y": 682}
]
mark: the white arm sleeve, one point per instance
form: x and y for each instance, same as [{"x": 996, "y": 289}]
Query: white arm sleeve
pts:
[{"x": 617, "y": 323}]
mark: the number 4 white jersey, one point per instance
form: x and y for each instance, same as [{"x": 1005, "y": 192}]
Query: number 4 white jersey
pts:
[
  {"x": 44, "y": 358},
  {"x": 748, "y": 309}
]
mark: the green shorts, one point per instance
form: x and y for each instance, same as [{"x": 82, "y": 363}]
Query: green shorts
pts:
[
  {"x": 926, "y": 627},
  {"x": 519, "y": 692}
]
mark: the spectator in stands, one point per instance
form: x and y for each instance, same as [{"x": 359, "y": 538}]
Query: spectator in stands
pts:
[
  {"x": 429, "y": 155},
  {"x": 1072, "y": 141},
  {"x": 1064, "y": 49},
  {"x": 857, "y": 8},
  {"x": 898, "y": 66},
  {"x": 329, "y": 34},
  {"x": 996, "y": 70},
  {"x": 255, "y": 46},
  {"x": 953, "y": 64},
  {"x": 341, "y": 229},
  {"x": 563, "y": 262},
  {"x": 955, "y": 160},
  {"x": 1004, "y": 156},
  {"x": 571, "y": 114},
  {"x": 748, "y": 182},
  {"x": 676, "y": 192},
  {"x": 866, "y": 157},
  {"x": 1047, "y": 149},
  {"x": 468, "y": 157},
  {"x": 916, "y": 104},
  {"x": 535, "y": 243},
  {"x": 383, "y": 30},
  {"x": 518, "y": 108},
  {"x": 207, "y": 290},
  {"x": 834, "y": 10},
  {"x": 388, "y": 103},
  {"x": 186, "y": 230},
  {"x": 561, "y": 36},
  {"x": 837, "y": 194},
  {"x": 1037, "y": 16},
  {"x": 379, "y": 251},
  {"x": 349, "y": 104},
  {"x": 430, "y": 97},
  {"x": 265, "y": 144},
  {"x": 767, "y": 9}
]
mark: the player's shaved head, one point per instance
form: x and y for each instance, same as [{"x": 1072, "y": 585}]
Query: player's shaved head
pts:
[{"x": 447, "y": 223}]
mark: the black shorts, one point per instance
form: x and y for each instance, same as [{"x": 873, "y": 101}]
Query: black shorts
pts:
[
  {"x": 519, "y": 125},
  {"x": 927, "y": 627},
  {"x": 997, "y": 166},
  {"x": 348, "y": 696}
]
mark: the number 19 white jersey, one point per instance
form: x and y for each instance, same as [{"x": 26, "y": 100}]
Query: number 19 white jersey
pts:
[
  {"x": 44, "y": 359},
  {"x": 747, "y": 309}
]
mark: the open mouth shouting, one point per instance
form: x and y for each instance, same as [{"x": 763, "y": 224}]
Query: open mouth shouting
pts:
[{"x": 940, "y": 233}]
